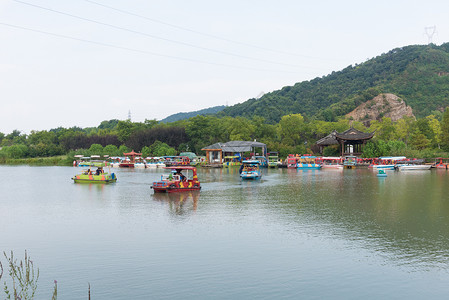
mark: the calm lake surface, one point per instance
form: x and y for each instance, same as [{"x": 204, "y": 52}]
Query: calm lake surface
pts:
[{"x": 294, "y": 234}]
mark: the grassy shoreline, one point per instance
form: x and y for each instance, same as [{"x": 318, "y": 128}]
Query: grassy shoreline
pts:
[{"x": 61, "y": 160}]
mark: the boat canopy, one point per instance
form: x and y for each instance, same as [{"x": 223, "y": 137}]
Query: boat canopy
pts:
[
  {"x": 251, "y": 162},
  {"x": 392, "y": 157},
  {"x": 181, "y": 167}
]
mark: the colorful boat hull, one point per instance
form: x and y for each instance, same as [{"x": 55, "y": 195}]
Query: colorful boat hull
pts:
[
  {"x": 172, "y": 187},
  {"x": 383, "y": 167},
  {"x": 308, "y": 166},
  {"x": 251, "y": 175},
  {"x": 102, "y": 178},
  {"x": 411, "y": 167},
  {"x": 177, "y": 182}
]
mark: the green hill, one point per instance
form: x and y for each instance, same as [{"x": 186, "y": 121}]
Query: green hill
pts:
[
  {"x": 418, "y": 74},
  {"x": 187, "y": 115}
]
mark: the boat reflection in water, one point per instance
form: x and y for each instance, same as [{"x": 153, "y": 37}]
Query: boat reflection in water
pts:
[{"x": 179, "y": 203}]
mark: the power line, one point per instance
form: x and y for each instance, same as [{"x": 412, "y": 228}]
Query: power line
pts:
[
  {"x": 155, "y": 37},
  {"x": 139, "y": 51},
  {"x": 198, "y": 32}
]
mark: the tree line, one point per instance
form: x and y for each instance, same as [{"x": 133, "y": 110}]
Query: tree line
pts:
[{"x": 294, "y": 133}]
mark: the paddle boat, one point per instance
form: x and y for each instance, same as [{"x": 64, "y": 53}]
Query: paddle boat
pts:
[
  {"x": 308, "y": 162},
  {"x": 176, "y": 160},
  {"x": 441, "y": 164},
  {"x": 98, "y": 176},
  {"x": 84, "y": 162},
  {"x": 413, "y": 167},
  {"x": 263, "y": 161},
  {"x": 250, "y": 169},
  {"x": 350, "y": 162},
  {"x": 231, "y": 161},
  {"x": 273, "y": 160},
  {"x": 140, "y": 163},
  {"x": 381, "y": 173},
  {"x": 331, "y": 162},
  {"x": 292, "y": 160},
  {"x": 386, "y": 162},
  {"x": 180, "y": 179}
]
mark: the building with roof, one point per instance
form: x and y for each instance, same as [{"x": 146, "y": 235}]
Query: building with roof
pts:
[
  {"x": 216, "y": 152},
  {"x": 351, "y": 141}
]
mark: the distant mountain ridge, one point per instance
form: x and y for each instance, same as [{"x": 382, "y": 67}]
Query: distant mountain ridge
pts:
[
  {"x": 187, "y": 115},
  {"x": 418, "y": 74}
]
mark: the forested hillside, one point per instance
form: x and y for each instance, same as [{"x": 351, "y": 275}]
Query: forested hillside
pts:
[
  {"x": 187, "y": 115},
  {"x": 418, "y": 74}
]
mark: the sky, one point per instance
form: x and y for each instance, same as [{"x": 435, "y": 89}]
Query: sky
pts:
[{"x": 80, "y": 62}]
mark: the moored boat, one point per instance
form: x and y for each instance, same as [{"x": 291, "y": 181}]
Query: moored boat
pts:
[
  {"x": 386, "y": 162},
  {"x": 231, "y": 161},
  {"x": 180, "y": 179},
  {"x": 350, "y": 162},
  {"x": 273, "y": 160},
  {"x": 413, "y": 167},
  {"x": 291, "y": 161},
  {"x": 308, "y": 162},
  {"x": 441, "y": 164},
  {"x": 331, "y": 162},
  {"x": 263, "y": 161}
]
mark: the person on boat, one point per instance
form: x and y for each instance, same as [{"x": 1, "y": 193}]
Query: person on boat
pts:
[
  {"x": 98, "y": 171},
  {"x": 181, "y": 176}
]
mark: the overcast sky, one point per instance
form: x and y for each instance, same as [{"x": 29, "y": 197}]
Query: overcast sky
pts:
[{"x": 77, "y": 63}]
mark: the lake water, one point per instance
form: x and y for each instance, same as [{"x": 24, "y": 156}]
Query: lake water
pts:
[{"x": 293, "y": 235}]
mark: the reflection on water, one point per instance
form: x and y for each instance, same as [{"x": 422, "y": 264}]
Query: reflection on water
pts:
[
  {"x": 179, "y": 203},
  {"x": 286, "y": 235}
]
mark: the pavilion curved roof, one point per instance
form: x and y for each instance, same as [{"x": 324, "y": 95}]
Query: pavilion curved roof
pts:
[
  {"x": 132, "y": 153},
  {"x": 353, "y": 134},
  {"x": 328, "y": 139}
]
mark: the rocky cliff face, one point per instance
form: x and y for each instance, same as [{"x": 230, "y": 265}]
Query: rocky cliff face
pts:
[{"x": 381, "y": 106}]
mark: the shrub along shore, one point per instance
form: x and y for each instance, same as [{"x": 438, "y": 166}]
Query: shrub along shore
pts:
[
  {"x": 426, "y": 137},
  {"x": 61, "y": 160}
]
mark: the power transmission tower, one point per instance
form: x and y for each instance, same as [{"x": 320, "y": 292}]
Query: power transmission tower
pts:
[
  {"x": 430, "y": 31},
  {"x": 129, "y": 115}
]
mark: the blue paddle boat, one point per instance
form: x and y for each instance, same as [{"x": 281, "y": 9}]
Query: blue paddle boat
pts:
[{"x": 250, "y": 169}]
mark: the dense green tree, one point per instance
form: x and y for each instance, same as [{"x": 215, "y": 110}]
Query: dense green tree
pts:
[
  {"x": 111, "y": 150},
  {"x": 123, "y": 149},
  {"x": 435, "y": 126},
  {"x": 418, "y": 140},
  {"x": 290, "y": 129},
  {"x": 159, "y": 148},
  {"x": 16, "y": 151},
  {"x": 111, "y": 124},
  {"x": 146, "y": 151},
  {"x": 240, "y": 129},
  {"x": 445, "y": 130},
  {"x": 96, "y": 149},
  {"x": 44, "y": 137},
  {"x": 124, "y": 130}
]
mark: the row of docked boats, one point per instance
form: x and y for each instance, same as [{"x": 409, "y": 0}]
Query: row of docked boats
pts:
[
  {"x": 134, "y": 160},
  {"x": 400, "y": 163},
  {"x": 251, "y": 169}
]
